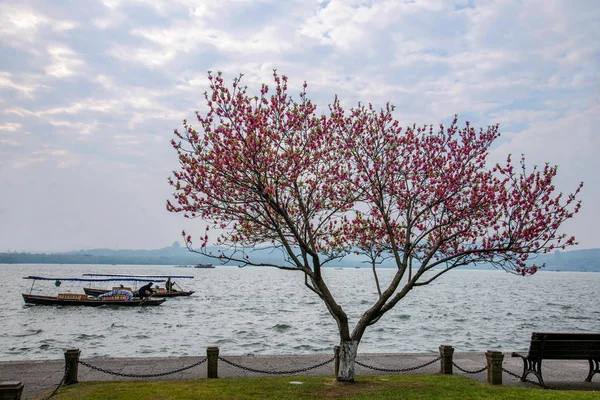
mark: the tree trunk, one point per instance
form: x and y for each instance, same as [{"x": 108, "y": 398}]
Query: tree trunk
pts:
[{"x": 347, "y": 355}]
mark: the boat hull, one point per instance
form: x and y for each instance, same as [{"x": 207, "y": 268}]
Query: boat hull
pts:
[
  {"x": 178, "y": 293},
  {"x": 55, "y": 301}
]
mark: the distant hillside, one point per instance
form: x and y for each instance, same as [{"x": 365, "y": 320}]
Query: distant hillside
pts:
[
  {"x": 576, "y": 260},
  {"x": 165, "y": 256}
]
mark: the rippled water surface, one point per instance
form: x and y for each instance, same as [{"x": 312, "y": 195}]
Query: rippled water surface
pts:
[{"x": 267, "y": 311}]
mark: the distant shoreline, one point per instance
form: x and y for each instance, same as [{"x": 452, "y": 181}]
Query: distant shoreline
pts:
[
  {"x": 155, "y": 263},
  {"x": 570, "y": 261}
]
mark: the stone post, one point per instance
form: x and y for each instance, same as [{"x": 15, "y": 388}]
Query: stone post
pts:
[
  {"x": 446, "y": 352},
  {"x": 336, "y": 361},
  {"x": 494, "y": 367},
  {"x": 11, "y": 390},
  {"x": 71, "y": 365},
  {"x": 212, "y": 363}
]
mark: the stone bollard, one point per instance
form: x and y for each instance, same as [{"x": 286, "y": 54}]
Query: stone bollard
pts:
[
  {"x": 11, "y": 390},
  {"x": 71, "y": 364},
  {"x": 336, "y": 356},
  {"x": 494, "y": 367},
  {"x": 212, "y": 363},
  {"x": 446, "y": 353}
]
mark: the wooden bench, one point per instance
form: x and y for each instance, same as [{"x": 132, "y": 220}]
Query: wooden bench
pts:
[
  {"x": 561, "y": 346},
  {"x": 72, "y": 296}
]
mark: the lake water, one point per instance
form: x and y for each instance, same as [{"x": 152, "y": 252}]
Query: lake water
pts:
[{"x": 268, "y": 311}]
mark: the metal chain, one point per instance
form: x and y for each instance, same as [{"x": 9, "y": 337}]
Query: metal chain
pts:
[
  {"x": 51, "y": 395},
  {"x": 526, "y": 380},
  {"x": 398, "y": 370},
  {"x": 511, "y": 373},
  {"x": 276, "y": 372},
  {"x": 469, "y": 372},
  {"x": 142, "y": 375}
]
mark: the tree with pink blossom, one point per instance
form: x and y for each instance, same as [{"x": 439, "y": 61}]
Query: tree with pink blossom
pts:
[{"x": 268, "y": 170}]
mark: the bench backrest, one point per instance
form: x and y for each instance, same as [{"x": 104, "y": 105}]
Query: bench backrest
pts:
[{"x": 564, "y": 346}]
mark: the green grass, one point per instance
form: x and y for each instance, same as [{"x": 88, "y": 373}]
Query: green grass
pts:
[{"x": 379, "y": 387}]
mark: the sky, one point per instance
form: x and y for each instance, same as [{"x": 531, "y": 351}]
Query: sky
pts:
[{"x": 90, "y": 92}]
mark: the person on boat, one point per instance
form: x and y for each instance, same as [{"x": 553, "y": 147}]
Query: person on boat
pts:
[
  {"x": 127, "y": 293},
  {"x": 169, "y": 285},
  {"x": 145, "y": 291}
]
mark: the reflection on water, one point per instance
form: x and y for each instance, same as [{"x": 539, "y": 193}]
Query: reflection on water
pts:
[{"x": 267, "y": 311}]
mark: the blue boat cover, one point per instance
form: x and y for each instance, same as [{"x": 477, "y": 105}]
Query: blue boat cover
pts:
[
  {"x": 144, "y": 276},
  {"x": 42, "y": 278},
  {"x": 127, "y": 293}
]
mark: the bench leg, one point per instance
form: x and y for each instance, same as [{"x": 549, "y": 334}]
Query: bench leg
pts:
[
  {"x": 531, "y": 367},
  {"x": 594, "y": 369},
  {"x": 535, "y": 368}
]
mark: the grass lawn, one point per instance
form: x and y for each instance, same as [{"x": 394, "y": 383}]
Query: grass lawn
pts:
[{"x": 379, "y": 387}]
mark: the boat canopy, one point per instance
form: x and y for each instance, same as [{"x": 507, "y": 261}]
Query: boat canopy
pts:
[
  {"x": 43, "y": 278},
  {"x": 143, "y": 276}
]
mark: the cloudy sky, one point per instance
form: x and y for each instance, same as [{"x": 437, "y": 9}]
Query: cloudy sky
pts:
[{"x": 91, "y": 90}]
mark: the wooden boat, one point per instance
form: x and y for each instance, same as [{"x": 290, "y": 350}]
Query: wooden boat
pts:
[
  {"x": 195, "y": 266},
  {"x": 80, "y": 299},
  {"x": 76, "y": 299},
  {"x": 161, "y": 292},
  {"x": 204, "y": 266}
]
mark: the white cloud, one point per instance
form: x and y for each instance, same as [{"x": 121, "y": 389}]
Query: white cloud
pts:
[
  {"x": 20, "y": 24},
  {"x": 10, "y": 127},
  {"x": 82, "y": 128},
  {"x": 356, "y": 26},
  {"x": 26, "y": 85},
  {"x": 64, "y": 62},
  {"x": 19, "y": 21},
  {"x": 22, "y": 112},
  {"x": 169, "y": 42},
  {"x": 62, "y": 26},
  {"x": 150, "y": 57}
]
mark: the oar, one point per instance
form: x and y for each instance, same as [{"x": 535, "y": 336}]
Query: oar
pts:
[{"x": 180, "y": 289}]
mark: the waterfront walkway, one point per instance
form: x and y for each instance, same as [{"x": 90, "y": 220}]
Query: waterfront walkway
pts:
[{"x": 41, "y": 377}]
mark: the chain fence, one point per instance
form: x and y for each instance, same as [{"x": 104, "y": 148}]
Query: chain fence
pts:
[
  {"x": 466, "y": 371},
  {"x": 294, "y": 371},
  {"x": 270, "y": 372},
  {"x": 62, "y": 381},
  {"x": 397, "y": 370},
  {"x": 141, "y": 375}
]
